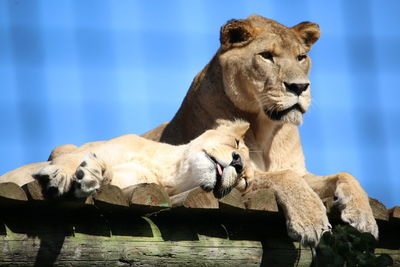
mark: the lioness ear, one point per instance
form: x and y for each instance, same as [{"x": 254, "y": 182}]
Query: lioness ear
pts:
[
  {"x": 309, "y": 32},
  {"x": 236, "y": 33}
]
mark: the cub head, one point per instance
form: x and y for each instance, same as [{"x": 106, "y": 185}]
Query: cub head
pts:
[
  {"x": 265, "y": 66},
  {"x": 220, "y": 159}
]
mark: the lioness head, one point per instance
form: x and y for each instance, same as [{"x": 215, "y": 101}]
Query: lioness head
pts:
[
  {"x": 265, "y": 66},
  {"x": 220, "y": 158}
]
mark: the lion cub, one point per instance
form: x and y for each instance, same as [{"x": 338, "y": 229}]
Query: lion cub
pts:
[{"x": 217, "y": 160}]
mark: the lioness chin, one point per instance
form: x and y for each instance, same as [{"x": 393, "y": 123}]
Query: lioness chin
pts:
[{"x": 260, "y": 74}]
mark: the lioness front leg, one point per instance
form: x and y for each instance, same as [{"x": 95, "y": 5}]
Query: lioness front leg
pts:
[
  {"x": 350, "y": 198},
  {"x": 306, "y": 218}
]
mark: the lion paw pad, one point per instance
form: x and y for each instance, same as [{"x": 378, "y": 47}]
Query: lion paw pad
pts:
[{"x": 89, "y": 176}]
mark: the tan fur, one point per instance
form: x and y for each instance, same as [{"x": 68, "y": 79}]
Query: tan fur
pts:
[
  {"x": 245, "y": 79},
  {"x": 131, "y": 159}
]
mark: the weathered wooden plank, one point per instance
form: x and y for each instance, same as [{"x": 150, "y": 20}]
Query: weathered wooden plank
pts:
[
  {"x": 105, "y": 241},
  {"x": 142, "y": 263},
  {"x": 33, "y": 190},
  {"x": 379, "y": 210},
  {"x": 233, "y": 199},
  {"x": 394, "y": 213},
  {"x": 262, "y": 199},
  {"x": 149, "y": 194},
  {"x": 177, "y": 200},
  {"x": 279, "y": 252},
  {"x": 114, "y": 251},
  {"x": 111, "y": 194},
  {"x": 12, "y": 191},
  {"x": 195, "y": 198},
  {"x": 92, "y": 250}
]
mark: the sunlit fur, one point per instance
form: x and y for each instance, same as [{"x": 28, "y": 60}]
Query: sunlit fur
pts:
[
  {"x": 247, "y": 73},
  {"x": 246, "y": 79},
  {"x": 131, "y": 159},
  {"x": 239, "y": 82}
]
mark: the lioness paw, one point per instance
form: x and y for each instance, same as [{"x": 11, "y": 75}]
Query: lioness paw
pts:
[
  {"x": 362, "y": 220},
  {"x": 90, "y": 176},
  {"x": 308, "y": 231},
  {"x": 355, "y": 210},
  {"x": 54, "y": 180},
  {"x": 306, "y": 217},
  {"x": 307, "y": 225}
]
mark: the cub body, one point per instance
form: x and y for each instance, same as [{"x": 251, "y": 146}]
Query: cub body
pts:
[{"x": 217, "y": 160}]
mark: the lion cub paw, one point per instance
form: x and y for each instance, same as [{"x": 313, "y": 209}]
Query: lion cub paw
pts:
[
  {"x": 90, "y": 176},
  {"x": 54, "y": 180}
]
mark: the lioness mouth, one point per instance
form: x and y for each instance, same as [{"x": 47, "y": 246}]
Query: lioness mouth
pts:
[{"x": 277, "y": 115}]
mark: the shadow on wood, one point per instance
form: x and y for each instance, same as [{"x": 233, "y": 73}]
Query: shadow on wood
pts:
[{"x": 117, "y": 228}]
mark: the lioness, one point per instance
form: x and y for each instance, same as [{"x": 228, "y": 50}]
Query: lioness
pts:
[
  {"x": 216, "y": 160},
  {"x": 260, "y": 74}
]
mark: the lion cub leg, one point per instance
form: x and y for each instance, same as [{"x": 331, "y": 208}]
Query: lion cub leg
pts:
[
  {"x": 349, "y": 197},
  {"x": 55, "y": 181},
  {"x": 74, "y": 174},
  {"x": 306, "y": 218},
  {"x": 56, "y": 178}
]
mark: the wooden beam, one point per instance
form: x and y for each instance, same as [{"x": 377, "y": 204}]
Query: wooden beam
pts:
[
  {"x": 12, "y": 191},
  {"x": 87, "y": 250},
  {"x": 111, "y": 194},
  {"x": 394, "y": 213},
  {"x": 148, "y": 194},
  {"x": 379, "y": 210},
  {"x": 102, "y": 231},
  {"x": 195, "y": 198},
  {"x": 33, "y": 190},
  {"x": 233, "y": 199}
]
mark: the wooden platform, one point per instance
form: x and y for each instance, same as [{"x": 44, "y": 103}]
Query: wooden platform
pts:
[{"x": 140, "y": 226}]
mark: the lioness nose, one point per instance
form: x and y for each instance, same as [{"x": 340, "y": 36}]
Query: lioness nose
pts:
[
  {"x": 237, "y": 162},
  {"x": 296, "y": 88}
]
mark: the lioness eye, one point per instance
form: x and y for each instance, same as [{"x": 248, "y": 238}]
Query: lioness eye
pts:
[
  {"x": 301, "y": 57},
  {"x": 237, "y": 143},
  {"x": 267, "y": 55}
]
